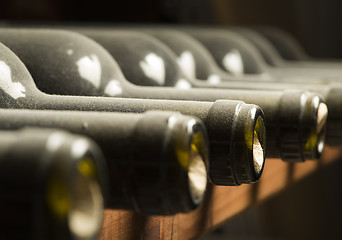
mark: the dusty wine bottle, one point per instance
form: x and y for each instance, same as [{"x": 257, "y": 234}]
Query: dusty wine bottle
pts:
[
  {"x": 292, "y": 51},
  {"x": 274, "y": 59},
  {"x": 156, "y": 161},
  {"x": 286, "y": 45},
  {"x": 268, "y": 52},
  {"x": 120, "y": 42},
  {"x": 192, "y": 57},
  {"x": 123, "y": 46},
  {"x": 18, "y": 90},
  {"x": 196, "y": 61},
  {"x": 275, "y": 103},
  {"x": 223, "y": 44},
  {"x": 52, "y": 185},
  {"x": 113, "y": 83}
]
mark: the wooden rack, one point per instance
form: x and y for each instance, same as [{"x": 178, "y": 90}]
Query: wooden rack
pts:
[{"x": 220, "y": 204}]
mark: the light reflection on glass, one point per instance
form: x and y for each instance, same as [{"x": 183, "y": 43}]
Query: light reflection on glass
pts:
[
  {"x": 14, "y": 89},
  {"x": 89, "y": 69},
  {"x": 154, "y": 68},
  {"x": 183, "y": 84},
  {"x": 233, "y": 62},
  {"x": 70, "y": 51},
  {"x": 113, "y": 88},
  {"x": 214, "y": 79},
  {"x": 187, "y": 63}
]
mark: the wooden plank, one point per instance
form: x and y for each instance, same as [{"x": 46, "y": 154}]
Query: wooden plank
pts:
[{"x": 220, "y": 204}]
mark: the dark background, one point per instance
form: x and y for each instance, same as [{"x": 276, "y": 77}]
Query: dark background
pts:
[{"x": 316, "y": 23}]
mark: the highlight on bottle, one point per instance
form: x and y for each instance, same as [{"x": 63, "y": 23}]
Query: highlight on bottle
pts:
[
  {"x": 315, "y": 142},
  {"x": 73, "y": 189},
  {"x": 191, "y": 148},
  {"x": 255, "y": 139}
]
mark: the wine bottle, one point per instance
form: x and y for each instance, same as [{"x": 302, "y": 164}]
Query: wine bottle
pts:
[
  {"x": 52, "y": 185},
  {"x": 203, "y": 66},
  {"x": 107, "y": 39},
  {"x": 221, "y": 118},
  {"x": 291, "y": 50},
  {"x": 71, "y": 81},
  {"x": 274, "y": 59},
  {"x": 223, "y": 44},
  {"x": 121, "y": 45},
  {"x": 286, "y": 45},
  {"x": 156, "y": 161},
  {"x": 265, "y": 48}
]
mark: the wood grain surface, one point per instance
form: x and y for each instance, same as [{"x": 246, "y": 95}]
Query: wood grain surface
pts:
[{"x": 220, "y": 204}]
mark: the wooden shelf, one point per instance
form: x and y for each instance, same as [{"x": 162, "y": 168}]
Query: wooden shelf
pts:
[{"x": 220, "y": 204}]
